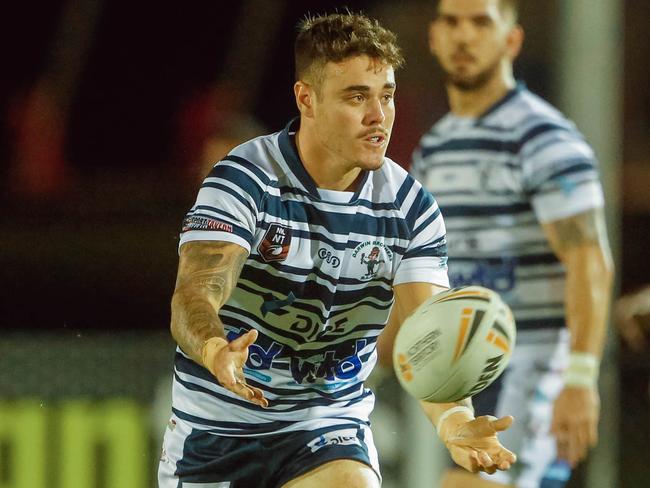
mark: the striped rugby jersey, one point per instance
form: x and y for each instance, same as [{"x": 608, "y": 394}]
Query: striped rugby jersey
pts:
[
  {"x": 317, "y": 285},
  {"x": 496, "y": 178}
]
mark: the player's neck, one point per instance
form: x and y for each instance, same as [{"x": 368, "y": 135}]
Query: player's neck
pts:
[
  {"x": 327, "y": 171},
  {"x": 474, "y": 103}
]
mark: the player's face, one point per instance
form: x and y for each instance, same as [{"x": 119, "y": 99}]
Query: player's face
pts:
[
  {"x": 355, "y": 111},
  {"x": 471, "y": 40}
]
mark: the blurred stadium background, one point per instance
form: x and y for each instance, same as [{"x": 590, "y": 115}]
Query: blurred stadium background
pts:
[{"x": 109, "y": 113}]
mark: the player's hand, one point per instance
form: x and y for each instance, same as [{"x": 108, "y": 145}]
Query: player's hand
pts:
[
  {"x": 627, "y": 311},
  {"x": 575, "y": 422},
  {"x": 226, "y": 360},
  {"x": 474, "y": 445}
]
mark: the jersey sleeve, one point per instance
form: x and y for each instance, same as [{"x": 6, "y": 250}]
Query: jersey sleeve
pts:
[
  {"x": 560, "y": 174},
  {"x": 227, "y": 205},
  {"x": 425, "y": 259}
]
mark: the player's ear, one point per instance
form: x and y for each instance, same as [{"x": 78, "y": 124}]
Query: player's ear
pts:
[
  {"x": 515, "y": 41},
  {"x": 305, "y": 95}
]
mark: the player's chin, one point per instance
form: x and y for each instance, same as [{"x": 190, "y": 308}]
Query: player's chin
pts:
[{"x": 372, "y": 162}]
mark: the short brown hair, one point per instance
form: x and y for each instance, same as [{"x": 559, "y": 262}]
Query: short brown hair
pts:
[{"x": 336, "y": 37}]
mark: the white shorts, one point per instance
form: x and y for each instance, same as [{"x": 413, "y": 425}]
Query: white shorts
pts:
[{"x": 527, "y": 390}]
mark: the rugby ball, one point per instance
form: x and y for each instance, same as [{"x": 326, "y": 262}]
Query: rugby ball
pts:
[{"x": 454, "y": 345}]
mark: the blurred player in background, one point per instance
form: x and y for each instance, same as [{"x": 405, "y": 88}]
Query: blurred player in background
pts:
[
  {"x": 520, "y": 193},
  {"x": 275, "y": 312}
]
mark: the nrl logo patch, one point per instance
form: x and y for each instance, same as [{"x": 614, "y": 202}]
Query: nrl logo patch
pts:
[{"x": 275, "y": 244}]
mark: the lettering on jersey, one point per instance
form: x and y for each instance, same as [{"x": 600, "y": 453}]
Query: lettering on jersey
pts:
[
  {"x": 329, "y": 368},
  {"x": 276, "y": 242},
  {"x": 329, "y": 257},
  {"x": 372, "y": 255},
  {"x": 315, "y": 330},
  {"x": 335, "y": 438},
  {"x": 260, "y": 354},
  {"x": 499, "y": 276},
  {"x": 196, "y": 222},
  {"x": 489, "y": 370}
]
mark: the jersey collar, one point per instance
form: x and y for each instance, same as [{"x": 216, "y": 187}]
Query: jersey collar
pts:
[
  {"x": 518, "y": 88},
  {"x": 289, "y": 151}
]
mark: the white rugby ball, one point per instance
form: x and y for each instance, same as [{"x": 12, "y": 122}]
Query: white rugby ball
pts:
[{"x": 454, "y": 345}]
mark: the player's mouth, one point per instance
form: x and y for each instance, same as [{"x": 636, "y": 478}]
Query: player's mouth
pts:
[
  {"x": 376, "y": 139},
  {"x": 462, "y": 58}
]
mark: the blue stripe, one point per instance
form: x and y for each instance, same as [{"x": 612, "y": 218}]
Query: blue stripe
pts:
[
  {"x": 263, "y": 177},
  {"x": 427, "y": 222},
  {"x": 423, "y": 201},
  {"x": 582, "y": 167},
  {"x": 214, "y": 209},
  {"x": 427, "y": 252},
  {"x": 252, "y": 428},
  {"x": 335, "y": 222},
  {"x": 291, "y": 190},
  {"x": 473, "y": 144},
  {"x": 543, "y": 128},
  {"x": 232, "y": 175},
  {"x": 522, "y": 260},
  {"x": 404, "y": 191},
  {"x": 235, "y": 401},
  {"x": 313, "y": 290},
  {"x": 535, "y": 324},
  {"x": 230, "y": 191},
  {"x": 453, "y": 211}
]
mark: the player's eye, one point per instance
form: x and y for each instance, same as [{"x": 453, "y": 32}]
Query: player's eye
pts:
[
  {"x": 483, "y": 21},
  {"x": 358, "y": 98},
  {"x": 448, "y": 20},
  {"x": 388, "y": 97}
]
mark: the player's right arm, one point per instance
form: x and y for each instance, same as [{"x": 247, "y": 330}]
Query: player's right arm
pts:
[{"x": 207, "y": 274}]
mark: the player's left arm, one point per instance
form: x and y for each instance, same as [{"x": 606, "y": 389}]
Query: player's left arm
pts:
[
  {"x": 580, "y": 242},
  {"x": 472, "y": 443}
]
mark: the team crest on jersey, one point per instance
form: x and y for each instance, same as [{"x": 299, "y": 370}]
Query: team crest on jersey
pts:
[
  {"x": 372, "y": 256},
  {"x": 275, "y": 244}
]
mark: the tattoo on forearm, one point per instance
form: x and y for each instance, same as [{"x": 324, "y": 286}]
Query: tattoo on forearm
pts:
[
  {"x": 583, "y": 229},
  {"x": 208, "y": 273}
]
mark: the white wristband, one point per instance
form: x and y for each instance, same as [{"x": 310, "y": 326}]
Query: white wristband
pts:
[
  {"x": 445, "y": 415},
  {"x": 582, "y": 371}
]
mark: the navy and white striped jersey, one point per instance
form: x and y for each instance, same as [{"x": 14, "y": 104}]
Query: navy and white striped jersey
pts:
[
  {"x": 497, "y": 178},
  {"x": 317, "y": 285}
]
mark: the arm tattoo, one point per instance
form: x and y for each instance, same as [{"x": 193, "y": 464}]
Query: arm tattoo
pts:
[
  {"x": 207, "y": 274},
  {"x": 584, "y": 229}
]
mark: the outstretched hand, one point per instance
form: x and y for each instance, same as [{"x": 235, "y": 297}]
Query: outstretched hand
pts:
[
  {"x": 575, "y": 423},
  {"x": 474, "y": 445},
  {"x": 226, "y": 360}
]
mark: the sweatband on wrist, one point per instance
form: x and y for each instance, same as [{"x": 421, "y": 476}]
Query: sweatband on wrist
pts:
[
  {"x": 210, "y": 349},
  {"x": 582, "y": 370},
  {"x": 445, "y": 415}
]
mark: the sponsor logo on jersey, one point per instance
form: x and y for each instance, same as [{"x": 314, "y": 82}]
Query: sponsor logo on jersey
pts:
[
  {"x": 327, "y": 256},
  {"x": 196, "y": 222},
  {"x": 275, "y": 244},
  {"x": 342, "y": 437},
  {"x": 330, "y": 367},
  {"x": 372, "y": 255}
]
